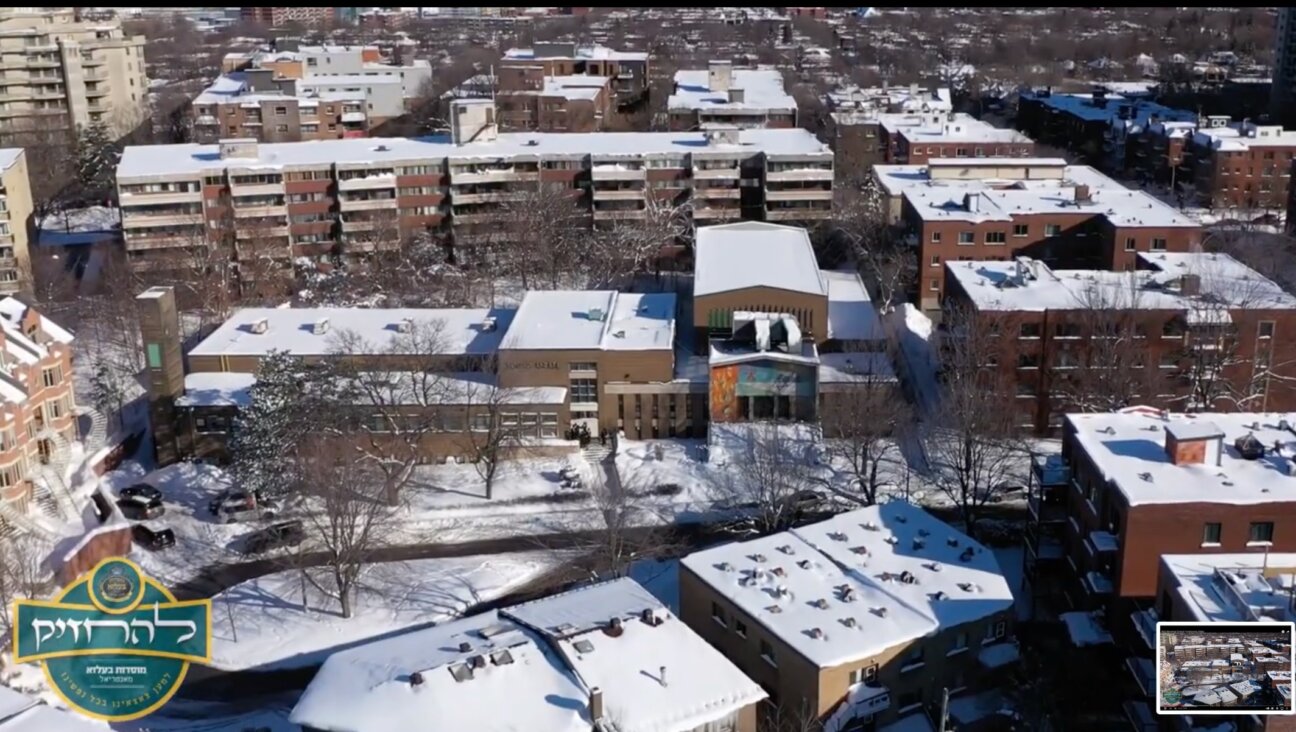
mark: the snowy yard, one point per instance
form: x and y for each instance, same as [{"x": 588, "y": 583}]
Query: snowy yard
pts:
[
  {"x": 525, "y": 481},
  {"x": 262, "y": 623}
]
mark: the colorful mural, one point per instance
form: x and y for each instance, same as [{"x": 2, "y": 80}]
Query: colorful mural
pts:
[
  {"x": 766, "y": 378},
  {"x": 724, "y": 393}
]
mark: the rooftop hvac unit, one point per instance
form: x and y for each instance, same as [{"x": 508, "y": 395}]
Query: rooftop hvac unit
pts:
[{"x": 260, "y": 326}]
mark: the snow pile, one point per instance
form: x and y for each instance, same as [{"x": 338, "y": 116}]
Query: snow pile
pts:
[{"x": 1085, "y": 629}]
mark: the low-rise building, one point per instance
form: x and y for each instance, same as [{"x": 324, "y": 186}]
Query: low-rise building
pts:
[
  {"x": 1095, "y": 126},
  {"x": 860, "y": 619},
  {"x": 995, "y": 209},
  {"x": 1198, "y": 331},
  {"x": 307, "y": 199},
  {"x": 628, "y": 70},
  {"x": 278, "y": 16},
  {"x": 528, "y": 100},
  {"x": 36, "y": 398},
  {"x": 724, "y": 95},
  {"x": 606, "y": 656}
]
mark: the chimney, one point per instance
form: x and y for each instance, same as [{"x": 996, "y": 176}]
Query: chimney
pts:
[
  {"x": 596, "y": 705},
  {"x": 662, "y": 675},
  {"x": 1082, "y": 194},
  {"x": 1194, "y": 443},
  {"x": 737, "y": 95},
  {"x": 1190, "y": 284},
  {"x": 719, "y": 76}
]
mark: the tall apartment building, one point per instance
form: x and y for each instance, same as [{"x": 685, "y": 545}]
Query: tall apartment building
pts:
[
  {"x": 310, "y": 199},
  {"x": 1283, "y": 96},
  {"x": 1218, "y": 164},
  {"x": 762, "y": 312},
  {"x": 995, "y": 209},
  {"x": 61, "y": 70},
  {"x": 1201, "y": 331},
  {"x": 16, "y": 221},
  {"x": 627, "y": 69},
  {"x": 721, "y": 94},
  {"x": 36, "y": 397},
  {"x": 283, "y": 15},
  {"x": 859, "y": 621}
]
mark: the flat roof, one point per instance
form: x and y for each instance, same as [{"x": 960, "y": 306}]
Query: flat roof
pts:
[
  {"x": 593, "y": 53},
  {"x": 1128, "y": 449},
  {"x": 762, "y": 90},
  {"x": 9, "y": 156},
  {"x": 1231, "y": 587},
  {"x": 1123, "y": 207},
  {"x": 1140, "y": 110},
  {"x": 541, "y": 660},
  {"x": 1042, "y": 174},
  {"x": 894, "y": 570},
  {"x": 851, "y": 315},
  {"x": 641, "y": 321},
  {"x": 561, "y": 320},
  {"x": 1225, "y": 284},
  {"x": 194, "y": 159},
  {"x": 458, "y": 330},
  {"x": 232, "y": 87},
  {"x": 732, "y": 257}
]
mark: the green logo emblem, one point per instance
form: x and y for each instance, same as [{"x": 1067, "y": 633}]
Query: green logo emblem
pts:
[
  {"x": 1171, "y": 696},
  {"x": 116, "y": 645}
]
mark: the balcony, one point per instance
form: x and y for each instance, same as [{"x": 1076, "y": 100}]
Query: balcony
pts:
[
  {"x": 1045, "y": 511},
  {"x": 863, "y": 701},
  {"x": 140, "y": 221},
  {"x": 1100, "y": 542},
  {"x": 248, "y": 212},
  {"x": 618, "y": 194},
  {"x": 368, "y": 182},
  {"x": 1046, "y": 548},
  {"x": 618, "y": 215},
  {"x": 717, "y": 193},
  {"x": 799, "y": 195},
  {"x": 803, "y": 174},
  {"x": 1144, "y": 674},
  {"x": 1096, "y": 584},
  {"x": 371, "y": 204},
  {"x": 716, "y": 174},
  {"x": 616, "y": 172},
  {"x": 493, "y": 176},
  {"x": 1140, "y": 716},
  {"x": 350, "y": 227},
  {"x": 1050, "y": 470},
  {"x": 257, "y": 189},
  {"x": 797, "y": 214},
  {"x": 170, "y": 241},
  {"x": 490, "y": 197},
  {"x": 153, "y": 199},
  {"x": 261, "y": 232},
  {"x": 1145, "y": 624}
]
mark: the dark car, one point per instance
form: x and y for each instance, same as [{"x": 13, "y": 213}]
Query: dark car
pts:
[
  {"x": 277, "y": 536},
  {"x": 141, "y": 490},
  {"x": 153, "y": 539},
  {"x": 140, "y": 509}
]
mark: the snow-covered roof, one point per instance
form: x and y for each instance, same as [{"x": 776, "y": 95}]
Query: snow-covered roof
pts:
[
  {"x": 592, "y": 320},
  {"x": 12, "y": 702},
  {"x": 217, "y": 389},
  {"x": 13, "y": 310},
  {"x": 194, "y": 159},
  {"x": 859, "y": 583},
  {"x": 21, "y": 713},
  {"x": 590, "y": 53},
  {"x": 461, "y": 331},
  {"x": 851, "y": 315},
  {"x": 318, "y": 80},
  {"x": 579, "y": 86},
  {"x": 1231, "y": 587},
  {"x": 9, "y": 156},
  {"x": 755, "y": 254},
  {"x": 1128, "y": 449},
  {"x": 1084, "y": 629},
  {"x": 233, "y": 87},
  {"x": 1042, "y": 174},
  {"x": 1225, "y": 284},
  {"x": 762, "y": 92},
  {"x": 1241, "y": 136},
  {"x": 963, "y": 131},
  {"x": 1139, "y": 113},
  {"x": 1122, "y": 207},
  {"x": 558, "y": 649}
]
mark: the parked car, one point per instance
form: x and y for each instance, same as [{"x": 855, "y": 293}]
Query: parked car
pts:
[
  {"x": 231, "y": 495},
  {"x": 140, "y": 490},
  {"x": 137, "y": 508},
  {"x": 239, "y": 506},
  {"x": 153, "y": 539},
  {"x": 278, "y": 536},
  {"x": 802, "y": 501}
]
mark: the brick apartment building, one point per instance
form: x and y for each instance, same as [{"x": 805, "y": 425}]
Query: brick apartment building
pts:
[
  {"x": 866, "y": 137},
  {"x": 721, "y": 94},
  {"x": 1148, "y": 516},
  {"x": 307, "y": 199},
  {"x": 855, "y": 118},
  {"x": 312, "y": 93},
  {"x": 36, "y": 398},
  {"x": 1207, "y": 331},
  {"x": 995, "y": 209},
  {"x": 1094, "y": 125},
  {"x": 607, "y": 360},
  {"x": 278, "y": 16},
  {"x": 528, "y": 100},
  {"x": 855, "y": 649},
  {"x": 628, "y": 70},
  {"x": 1220, "y": 165}
]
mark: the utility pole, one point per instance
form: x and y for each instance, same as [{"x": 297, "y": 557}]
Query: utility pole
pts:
[{"x": 944, "y": 718}]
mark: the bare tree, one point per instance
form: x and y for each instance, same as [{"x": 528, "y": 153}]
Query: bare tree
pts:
[
  {"x": 763, "y": 478},
  {"x": 23, "y": 574},
  {"x": 493, "y": 431},
  {"x": 862, "y": 424},
  {"x": 401, "y": 387},
  {"x": 349, "y": 520},
  {"x": 540, "y": 234},
  {"x": 973, "y": 448},
  {"x": 890, "y": 266},
  {"x": 629, "y": 246}
]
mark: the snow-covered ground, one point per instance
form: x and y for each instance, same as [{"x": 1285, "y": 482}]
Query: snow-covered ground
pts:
[
  {"x": 262, "y": 714},
  {"x": 1010, "y": 563},
  {"x": 438, "y": 487},
  {"x": 263, "y": 624}
]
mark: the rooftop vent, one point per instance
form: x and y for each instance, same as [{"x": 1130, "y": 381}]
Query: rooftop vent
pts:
[
  {"x": 892, "y": 540},
  {"x": 818, "y": 634},
  {"x": 919, "y": 542},
  {"x": 967, "y": 554},
  {"x": 880, "y": 611},
  {"x": 758, "y": 558},
  {"x": 416, "y": 679},
  {"x": 1249, "y": 447},
  {"x": 933, "y": 566},
  {"x": 405, "y": 325},
  {"x": 501, "y": 658},
  {"x": 532, "y": 142},
  {"x": 583, "y": 646},
  {"x": 861, "y": 549},
  {"x": 381, "y": 148},
  {"x": 821, "y": 603},
  {"x": 465, "y": 647},
  {"x": 939, "y": 595},
  {"x": 320, "y": 327},
  {"x": 848, "y": 595},
  {"x": 489, "y": 324},
  {"x": 869, "y": 526},
  {"x": 260, "y": 326},
  {"x": 804, "y": 564},
  {"x": 901, "y": 519},
  {"x": 786, "y": 549},
  {"x": 595, "y": 314},
  {"x": 952, "y": 541},
  {"x": 836, "y": 536},
  {"x": 778, "y": 572},
  {"x": 478, "y": 661},
  {"x": 614, "y": 628},
  {"x": 969, "y": 587},
  {"x": 908, "y": 578},
  {"x": 849, "y": 622},
  {"x": 774, "y": 609},
  {"x": 725, "y": 567},
  {"x": 650, "y": 617}
]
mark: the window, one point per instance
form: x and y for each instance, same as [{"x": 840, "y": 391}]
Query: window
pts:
[
  {"x": 1266, "y": 329},
  {"x": 52, "y": 376},
  {"x": 1030, "y": 330},
  {"x": 582, "y": 366},
  {"x": 933, "y": 285},
  {"x": 281, "y": 128},
  {"x": 717, "y": 614},
  {"x": 740, "y": 628},
  {"x": 1211, "y": 534},
  {"x": 213, "y": 424},
  {"x": 154, "y": 356},
  {"x": 909, "y": 700},
  {"x": 1261, "y": 532},
  {"x": 584, "y": 390},
  {"x": 1028, "y": 361},
  {"x": 913, "y": 660},
  {"x": 1020, "y": 230},
  {"x": 1130, "y": 244},
  {"x": 960, "y": 644},
  {"x": 996, "y": 237},
  {"x": 1158, "y": 245},
  {"x": 936, "y": 237},
  {"x": 967, "y": 237},
  {"x": 935, "y": 260},
  {"x": 1067, "y": 330},
  {"x": 996, "y": 630},
  {"x": 767, "y": 653},
  {"x": 548, "y": 425},
  {"x": 1052, "y": 230}
]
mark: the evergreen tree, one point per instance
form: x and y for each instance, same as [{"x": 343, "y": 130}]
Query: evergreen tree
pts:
[
  {"x": 97, "y": 155},
  {"x": 267, "y": 432}
]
